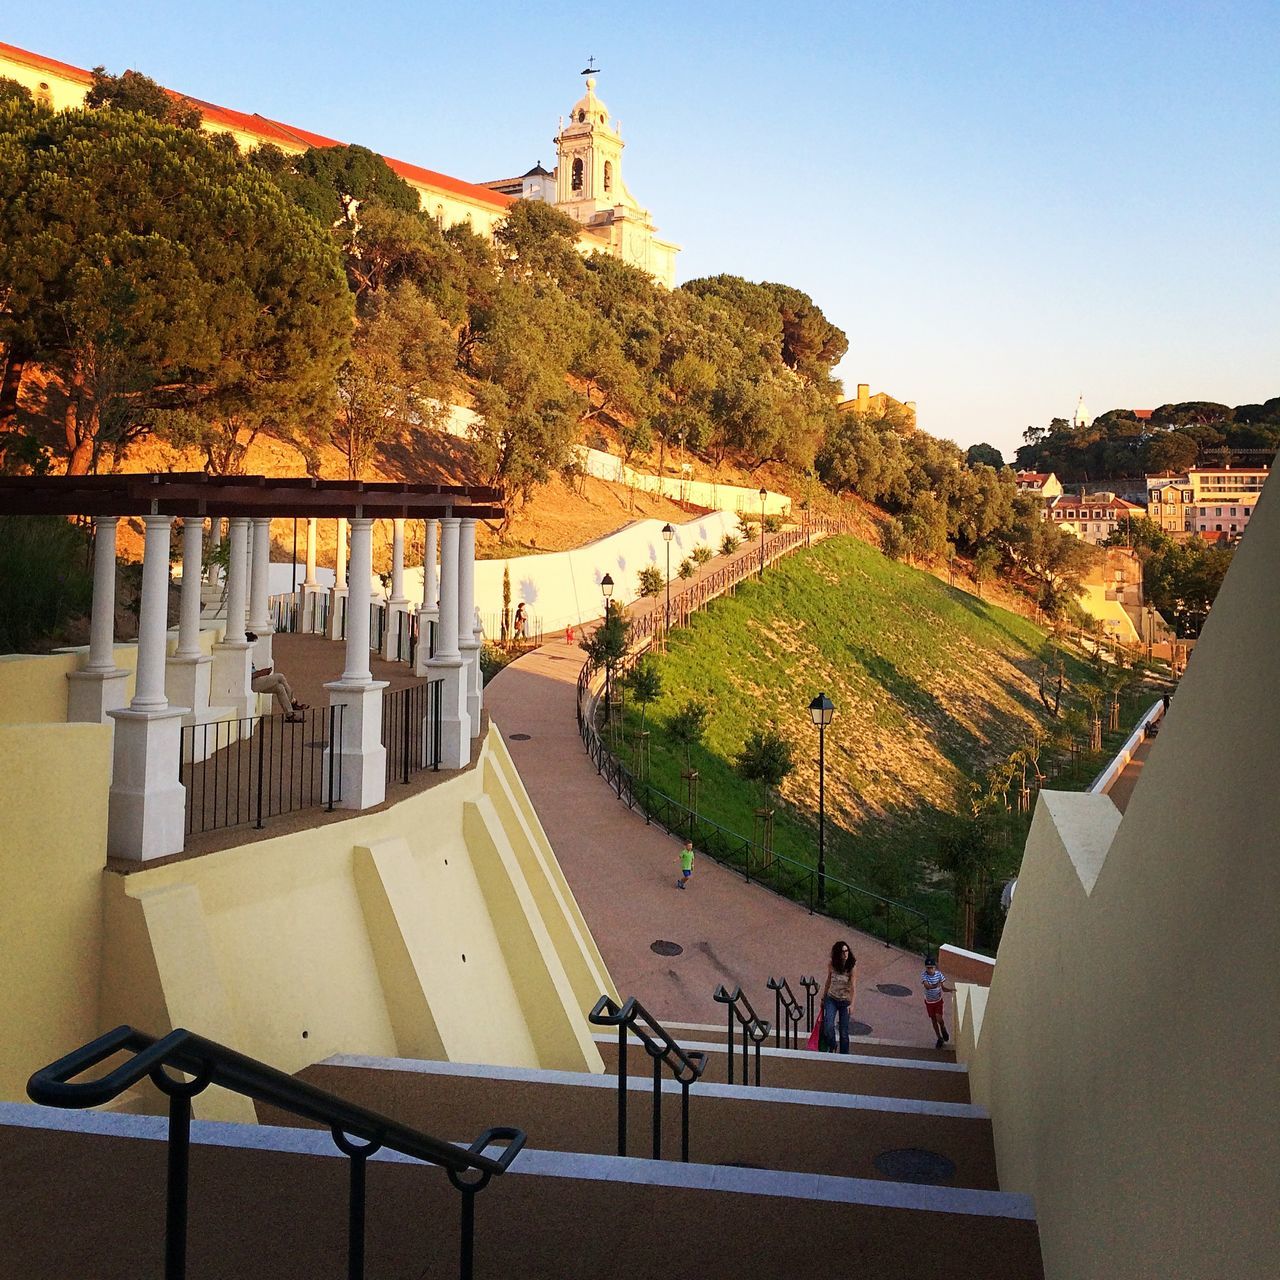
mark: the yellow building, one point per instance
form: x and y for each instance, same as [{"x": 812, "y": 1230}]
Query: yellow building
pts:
[
  {"x": 589, "y": 188},
  {"x": 880, "y": 403},
  {"x": 1206, "y": 500}
]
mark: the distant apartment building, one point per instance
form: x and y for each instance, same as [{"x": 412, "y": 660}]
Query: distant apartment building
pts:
[
  {"x": 1207, "y": 500},
  {"x": 1039, "y": 484},
  {"x": 1093, "y": 517}
]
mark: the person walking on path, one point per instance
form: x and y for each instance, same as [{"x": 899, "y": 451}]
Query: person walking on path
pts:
[
  {"x": 935, "y": 983},
  {"x": 686, "y": 865},
  {"x": 837, "y": 995},
  {"x": 521, "y": 621}
]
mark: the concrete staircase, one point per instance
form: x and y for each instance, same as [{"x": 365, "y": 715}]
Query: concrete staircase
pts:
[{"x": 874, "y": 1164}]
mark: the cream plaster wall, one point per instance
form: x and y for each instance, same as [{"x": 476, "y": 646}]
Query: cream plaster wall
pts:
[
  {"x": 1127, "y": 1048},
  {"x": 53, "y": 833},
  {"x": 440, "y": 927}
]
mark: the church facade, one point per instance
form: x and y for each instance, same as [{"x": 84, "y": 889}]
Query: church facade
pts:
[{"x": 587, "y": 183}]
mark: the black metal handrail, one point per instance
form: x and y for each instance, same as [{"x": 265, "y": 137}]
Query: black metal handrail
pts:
[
  {"x": 259, "y": 767},
  {"x": 810, "y": 986},
  {"x": 412, "y": 724},
  {"x": 687, "y": 1066},
  {"x": 209, "y": 1063},
  {"x": 755, "y": 1030},
  {"x": 786, "y": 1014}
]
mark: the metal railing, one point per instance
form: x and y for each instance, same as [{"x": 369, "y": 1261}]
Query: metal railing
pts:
[
  {"x": 755, "y": 1030},
  {"x": 377, "y": 625},
  {"x": 500, "y": 629},
  {"x": 356, "y": 1132},
  {"x": 632, "y": 1018},
  {"x": 285, "y": 612},
  {"x": 810, "y": 986},
  {"x": 787, "y": 1015},
  {"x": 259, "y": 767},
  {"x": 411, "y": 728}
]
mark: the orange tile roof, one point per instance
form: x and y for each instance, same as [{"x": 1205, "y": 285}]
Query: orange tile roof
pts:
[{"x": 276, "y": 132}]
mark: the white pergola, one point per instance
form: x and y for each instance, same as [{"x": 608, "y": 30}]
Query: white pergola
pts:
[{"x": 147, "y": 798}]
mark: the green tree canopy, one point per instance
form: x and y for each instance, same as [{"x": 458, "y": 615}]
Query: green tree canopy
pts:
[
  {"x": 149, "y": 272},
  {"x": 132, "y": 91}
]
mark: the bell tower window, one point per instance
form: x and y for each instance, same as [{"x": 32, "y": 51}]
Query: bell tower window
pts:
[
  {"x": 608, "y": 175},
  {"x": 577, "y": 174},
  {"x": 582, "y": 116}
]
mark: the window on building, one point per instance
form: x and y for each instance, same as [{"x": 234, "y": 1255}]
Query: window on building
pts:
[
  {"x": 1217, "y": 511},
  {"x": 1233, "y": 528},
  {"x": 582, "y": 116},
  {"x": 44, "y": 95},
  {"x": 1097, "y": 515},
  {"x": 1232, "y": 511},
  {"x": 440, "y": 216},
  {"x": 608, "y": 175},
  {"x": 577, "y": 174},
  {"x": 1217, "y": 528},
  {"x": 1057, "y": 515}
]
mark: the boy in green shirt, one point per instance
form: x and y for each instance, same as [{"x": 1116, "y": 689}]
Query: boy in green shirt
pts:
[{"x": 686, "y": 864}]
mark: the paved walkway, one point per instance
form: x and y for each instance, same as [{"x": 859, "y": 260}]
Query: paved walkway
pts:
[
  {"x": 1122, "y": 788},
  {"x": 623, "y": 873}
]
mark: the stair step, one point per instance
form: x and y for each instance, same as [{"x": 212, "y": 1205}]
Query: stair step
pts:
[
  {"x": 825, "y": 1072},
  {"x": 271, "y": 1202},
  {"x": 792, "y": 1129},
  {"x": 865, "y": 1046}
]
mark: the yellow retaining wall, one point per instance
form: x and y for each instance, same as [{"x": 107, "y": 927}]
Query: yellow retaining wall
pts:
[
  {"x": 441, "y": 927},
  {"x": 1128, "y": 1046},
  {"x": 53, "y": 833}
]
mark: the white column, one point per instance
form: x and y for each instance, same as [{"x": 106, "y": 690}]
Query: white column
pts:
[
  {"x": 189, "y": 616},
  {"x": 429, "y": 613},
  {"x": 147, "y": 801},
  {"x": 398, "y": 604},
  {"x": 338, "y": 595},
  {"x": 310, "y": 579},
  {"x": 362, "y": 759},
  {"x": 360, "y": 598},
  {"x": 430, "y": 581},
  {"x": 188, "y": 673},
  {"x": 153, "y": 617},
  {"x": 232, "y": 656},
  {"x": 310, "y": 589},
  {"x": 259, "y": 591},
  {"x": 99, "y": 687},
  {"x": 468, "y": 643},
  {"x": 448, "y": 665}
]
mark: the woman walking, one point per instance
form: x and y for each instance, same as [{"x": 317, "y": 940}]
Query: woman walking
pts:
[{"x": 837, "y": 995}]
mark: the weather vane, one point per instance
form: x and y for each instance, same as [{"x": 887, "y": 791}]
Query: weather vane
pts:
[{"x": 590, "y": 69}]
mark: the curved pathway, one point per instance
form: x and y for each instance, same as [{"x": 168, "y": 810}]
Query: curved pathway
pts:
[{"x": 624, "y": 872}]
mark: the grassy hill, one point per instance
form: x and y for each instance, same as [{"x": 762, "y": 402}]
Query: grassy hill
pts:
[{"x": 931, "y": 687}]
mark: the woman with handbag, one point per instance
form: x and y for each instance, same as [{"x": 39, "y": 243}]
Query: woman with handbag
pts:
[{"x": 837, "y": 998}]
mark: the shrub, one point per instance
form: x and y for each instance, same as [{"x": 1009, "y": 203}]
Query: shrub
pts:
[
  {"x": 651, "y": 581},
  {"x": 746, "y": 526},
  {"x": 45, "y": 579},
  {"x": 701, "y": 554},
  {"x": 772, "y": 524},
  {"x": 688, "y": 725},
  {"x": 729, "y": 544},
  {"x": 893, "y": 539},
  {"x": 687, "y": 568}
]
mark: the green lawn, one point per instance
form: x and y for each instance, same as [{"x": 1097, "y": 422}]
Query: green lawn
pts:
[{"x": 931, "y": 687}]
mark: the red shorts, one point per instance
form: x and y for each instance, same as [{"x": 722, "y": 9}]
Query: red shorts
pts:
[{"x": 934, "y": 1008}]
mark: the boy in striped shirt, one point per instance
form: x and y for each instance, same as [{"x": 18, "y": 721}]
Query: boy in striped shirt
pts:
[{"x": 935, "y": 983}]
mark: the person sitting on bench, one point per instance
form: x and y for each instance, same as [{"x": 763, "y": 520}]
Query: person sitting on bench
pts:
[{"x": 268, "y": 680}]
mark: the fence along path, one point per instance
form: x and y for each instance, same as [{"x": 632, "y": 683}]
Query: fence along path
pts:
[{"x": 623, "y": 871}]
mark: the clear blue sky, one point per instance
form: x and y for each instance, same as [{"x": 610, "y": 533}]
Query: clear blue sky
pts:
[{"x": 1003, "y": 205}]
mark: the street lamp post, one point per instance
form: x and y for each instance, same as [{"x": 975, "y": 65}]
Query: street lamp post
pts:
[
  {"x": 606, "y": 590},
  {"x": 764, "y": 493},
  {"x": 667, "y": 534},
  {"x": 821, "y": 709}
]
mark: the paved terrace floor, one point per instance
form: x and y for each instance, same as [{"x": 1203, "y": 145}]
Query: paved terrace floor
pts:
[{"x": 623, "y": 873}]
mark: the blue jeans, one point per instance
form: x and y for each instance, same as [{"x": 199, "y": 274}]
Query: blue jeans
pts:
[{"x": 831, "y": 1010}]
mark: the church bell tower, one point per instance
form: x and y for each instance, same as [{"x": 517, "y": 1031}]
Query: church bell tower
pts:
[{"x": 589, "y": 173}]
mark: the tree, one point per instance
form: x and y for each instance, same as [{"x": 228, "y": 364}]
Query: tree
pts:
[
  {"x": 537, "y": 239},
  {"x": 984, "y": 455},
  {"x": 149, "y": 272},
  {"x": 651, "y": 581},
  {"x": 967, "y": 854},
  {"x": 644, "y": 683},
  {"x": 687, "y": 726},
  {"x": 132, "y": 91},
  {"x": 399, "y": 371},
  {"x": 766, "y": 758},
  {"x": 985, "y": 564}
]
